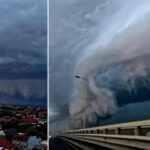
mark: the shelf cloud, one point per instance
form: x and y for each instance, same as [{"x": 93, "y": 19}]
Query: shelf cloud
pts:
[{"x": 106, "y": 43}]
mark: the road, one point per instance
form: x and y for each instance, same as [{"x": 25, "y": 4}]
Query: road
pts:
[{"x": 57, "y": 144}]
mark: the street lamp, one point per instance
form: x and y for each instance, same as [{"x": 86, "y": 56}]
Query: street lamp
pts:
[
  {"x": 82, "y": 78},
  {"x": 84, "y": 113}
]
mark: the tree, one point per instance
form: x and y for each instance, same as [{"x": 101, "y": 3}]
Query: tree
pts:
[
  {"x": 31, "y": 131},
  {"x": 23, "y": 127}
]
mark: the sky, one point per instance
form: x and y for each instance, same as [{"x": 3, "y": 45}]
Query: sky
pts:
[
  {"x": 23, "y": 51},
  {"x": 107, "y": 44}
]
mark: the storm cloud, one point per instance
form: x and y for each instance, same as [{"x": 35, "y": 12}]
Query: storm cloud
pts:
[
  {"x": 106, "y": 43},
  {"x": 23, "y": 47},
  {"x": 22, "y": 34}
]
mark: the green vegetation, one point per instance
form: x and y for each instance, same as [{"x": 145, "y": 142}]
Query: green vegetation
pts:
[{"x": 23, "y": 127}]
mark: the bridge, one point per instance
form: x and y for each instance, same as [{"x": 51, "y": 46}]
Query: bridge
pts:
[{"x": 124, "y": 136}]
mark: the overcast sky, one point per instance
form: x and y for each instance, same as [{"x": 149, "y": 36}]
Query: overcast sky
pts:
[
  {"x": 105, "y": 42},
  {"x": 23, "y": 47}
]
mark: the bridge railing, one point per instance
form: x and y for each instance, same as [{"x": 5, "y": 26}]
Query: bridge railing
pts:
[
  {"x": 131, "y": 128},
  {"x": 124, "y": 136}
]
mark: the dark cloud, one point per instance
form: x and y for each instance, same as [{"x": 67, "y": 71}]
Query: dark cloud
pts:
[
  {"x": 23, "y": 36},
  {"x": 23, "y": 51}
]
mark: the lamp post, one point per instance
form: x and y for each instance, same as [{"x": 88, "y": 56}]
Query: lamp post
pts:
[{"x": 84, "y": 113}]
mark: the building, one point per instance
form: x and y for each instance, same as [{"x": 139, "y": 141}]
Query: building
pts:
[{"x": 34, "y": 142}]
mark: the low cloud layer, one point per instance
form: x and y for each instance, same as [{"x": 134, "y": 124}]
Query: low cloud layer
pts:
[
  {"x": 25, "y": 92},
  {"x": 24, "y": 88}
]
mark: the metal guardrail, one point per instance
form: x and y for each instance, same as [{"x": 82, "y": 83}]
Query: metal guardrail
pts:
[{"x": 132, "y": 135}]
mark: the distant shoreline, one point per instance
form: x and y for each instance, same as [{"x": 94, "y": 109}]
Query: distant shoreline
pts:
[{"x": 26, "y": 105}]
